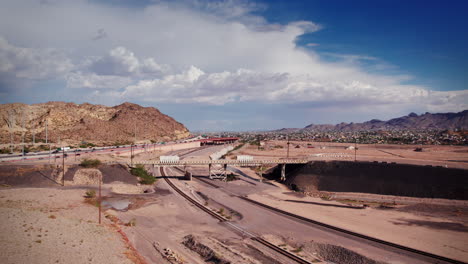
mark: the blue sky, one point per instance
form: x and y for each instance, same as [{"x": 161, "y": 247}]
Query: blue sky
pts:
[{"x": 239, "y": 65}]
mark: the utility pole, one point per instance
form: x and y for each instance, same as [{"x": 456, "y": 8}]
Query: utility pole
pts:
[
  {"x": 131, "y": 155},
  {"x": 288, "y": 148},
  {"x": 46, "y": 135},
  {"x": 99, "y": 199},
  {"x": 11, "y": 131},
  {"x": 355, "y": 149},
  {"x": 63, "y": 166},
  {"x": 23, "y": 132},
  {"x": 135, "y": 132}
]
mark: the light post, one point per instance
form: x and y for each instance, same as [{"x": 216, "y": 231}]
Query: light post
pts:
[
  {"x": 63, "y": 166},
  {"x": 355, "y": 149},
  {"x": 131, "y": 155},
  {"x": 99, "y": 197}
]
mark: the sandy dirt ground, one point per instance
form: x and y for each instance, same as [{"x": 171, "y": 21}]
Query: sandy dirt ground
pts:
[
  {"x": 40, "y": 225},
  {"x": 53, "y": 223},
  {"x": 447, "y": 156},
  {"x": 438, "y": 235}
]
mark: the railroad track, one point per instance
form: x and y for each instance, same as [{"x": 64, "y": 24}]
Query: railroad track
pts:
[
  {"x": 354, "y": 234},
  {"x": 190, "y": 199},
  {"x": 222, "y": 219},
  {"x": 280, "y": 250},
  {"x": 347, "y": 232}
]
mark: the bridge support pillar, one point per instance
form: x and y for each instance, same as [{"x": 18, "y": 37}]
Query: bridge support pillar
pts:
[
  {"x": 283, "y": 172},
  {"x": 225, "y": 172},
  {"x": 209, "y": 171}
]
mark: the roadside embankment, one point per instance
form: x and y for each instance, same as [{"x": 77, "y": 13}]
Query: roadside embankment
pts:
[{"x": 378, "y": 178}]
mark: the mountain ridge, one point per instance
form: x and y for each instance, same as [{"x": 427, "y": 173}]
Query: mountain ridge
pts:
[
  {"x": 412, "y": 121},
  {"x": 87, "y": 122}
]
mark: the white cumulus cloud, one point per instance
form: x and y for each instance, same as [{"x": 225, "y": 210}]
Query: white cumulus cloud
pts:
[
  {"x": 30, "y": 63},
  {"x": 194, "y": 51}
]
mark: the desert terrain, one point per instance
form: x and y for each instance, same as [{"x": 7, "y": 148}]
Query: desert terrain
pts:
[{"x": 154, "y": 224}]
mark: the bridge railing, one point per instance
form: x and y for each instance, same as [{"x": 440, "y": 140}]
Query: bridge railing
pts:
[{"x": 228, "y": 162}]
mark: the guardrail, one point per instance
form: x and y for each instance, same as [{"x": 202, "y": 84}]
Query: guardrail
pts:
[{"x": 222, "y": 162}]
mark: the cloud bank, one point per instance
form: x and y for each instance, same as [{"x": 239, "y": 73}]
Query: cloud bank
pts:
[{"x": 196, "y": 52}]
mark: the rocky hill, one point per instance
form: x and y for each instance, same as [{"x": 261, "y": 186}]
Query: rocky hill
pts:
[
  {"x": 412, "y": 121},
  {"x": 75, "y": 123}
]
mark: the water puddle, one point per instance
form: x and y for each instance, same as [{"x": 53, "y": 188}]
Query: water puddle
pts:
[{"x": 117, "y": 204}]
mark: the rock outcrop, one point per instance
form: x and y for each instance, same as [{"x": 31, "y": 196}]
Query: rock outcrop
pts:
[{"x": 75, "y": 123}]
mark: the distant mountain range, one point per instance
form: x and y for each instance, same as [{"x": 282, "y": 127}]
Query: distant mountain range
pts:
[{"x": 441, "y": 121}]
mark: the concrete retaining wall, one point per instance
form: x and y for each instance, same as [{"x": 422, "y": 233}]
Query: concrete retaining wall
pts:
[{"x": 379, "y": 178}]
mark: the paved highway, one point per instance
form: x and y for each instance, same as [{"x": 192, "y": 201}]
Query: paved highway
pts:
[{"x": 43, "y": 155}]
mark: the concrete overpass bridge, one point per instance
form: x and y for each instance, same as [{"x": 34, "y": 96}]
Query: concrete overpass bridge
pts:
[{"x": 218, "y": 168}]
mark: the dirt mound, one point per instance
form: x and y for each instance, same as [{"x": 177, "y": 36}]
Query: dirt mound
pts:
[
  {"x": 379, "y": 178},
  {"x": 117, "y": 173},
  {"x": 87, "y": 177},
  {"x": 205, "y": 252},
  {"x": 337, "y": 254},
  {"x": 30, "y": 175}
]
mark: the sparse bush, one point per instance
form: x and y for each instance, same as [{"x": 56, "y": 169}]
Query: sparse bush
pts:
[
  {"x": 278, "y": 147},
  {"x": 4, "y": 151},
  {"x": 254, "y": 143},
  {"x": 131, "y": 222},
  {"x": 87, "y": 145},
  {"x": 90, "y": 163},
  {"x": 231, "y": 177},
  {"x": 221, "y": 211},
  {"x": 145, "y": 177},
  {"x": 297, "y": 250},
  {"x": 43, "y": 147},
  {"x": 52, "y": 217},
  {"x": 90, "y": 194},
  {"x": 238, "y": 146},
  {"x": 122, "y": 143}
]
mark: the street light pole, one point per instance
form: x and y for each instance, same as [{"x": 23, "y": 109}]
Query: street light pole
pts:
[
  {"x": 99, "y": 198},
  {"x": 131, "y": 155},
  {"x": 63, "y": 166},
  {"x": 355, "y": 150}
]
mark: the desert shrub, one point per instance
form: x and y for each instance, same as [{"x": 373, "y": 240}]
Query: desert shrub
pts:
[
  {"x": 278, "y": 147},
  {"x": 254, "y": 143},
  {"x": 238, "y": 146},
  {"x": 43, "y": 147},
  {"x": 122, "y": 143},
  {"x": 131, "y": 222},
  {"x": 90, "y": 163},
  {"x": 87, "y": 145},
  {"x": 145, "y": 177},
  {"x": 4, "y": 151},
  {"x": 231, "y": 177},
  {"x": 90, "y": 194}
]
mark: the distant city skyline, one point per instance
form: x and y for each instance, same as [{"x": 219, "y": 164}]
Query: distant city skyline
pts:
[{"x": 239, "y": 65}]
